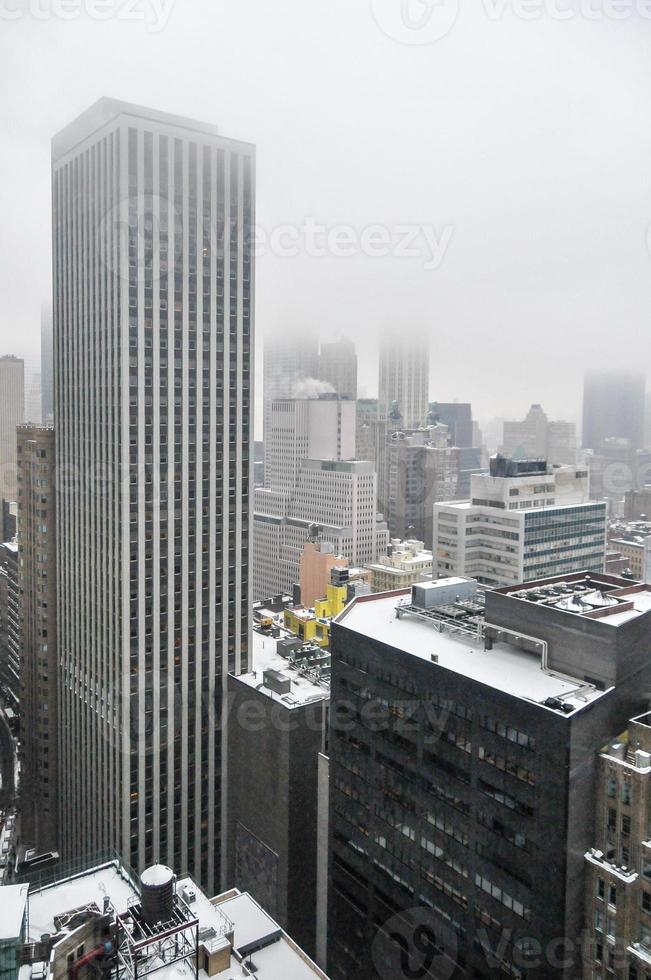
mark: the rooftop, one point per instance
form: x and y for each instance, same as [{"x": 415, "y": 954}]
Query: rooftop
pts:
[
  {"x": 13, "y": 901},
  {"x": 308, "y": 669},
  {"x": 502, "y": 668},
  {"x": 608, "y": 598},
  {"x": 258, "y": 941}
]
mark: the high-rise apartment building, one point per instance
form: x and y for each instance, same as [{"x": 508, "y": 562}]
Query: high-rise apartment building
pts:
[
  {"x": 463, "y": 772},
  {"x": 47, "y": 366},
  {"x": 12, "y": 414},
  {"x": 535, "y": 437},
  {"x": 153, "y": 338},
  {"x": 524, "y": 520},
  {"x": 613, "y": 408},
  {"x": 338, "y": 367},
  {"x": 404, "y": 378},
  {"x": 617, "y": 873},
  {"x": 39, "y": 716}
]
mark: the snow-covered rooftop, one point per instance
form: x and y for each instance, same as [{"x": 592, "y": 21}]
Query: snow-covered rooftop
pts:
[
  {"x": 503, "y": 667},
  {"x": 13, "y": 901}
]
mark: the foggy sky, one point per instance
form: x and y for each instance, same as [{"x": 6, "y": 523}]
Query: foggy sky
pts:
[{"x": 523, "y": 145}]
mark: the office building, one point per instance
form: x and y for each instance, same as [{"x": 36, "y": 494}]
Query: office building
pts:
[
  {"x": 290, "y": 370},
  {"x": 312, "y": 482},
  {"x": 370, "y": 431},
  {"x": 10, "y": 617},
  {"x": 306, "y": 428},
  {"x": 617, "y": 872},
  {"x": 47, "y": 366},
  {"x": 39, "y": 716},
  {"x": 278, "y": 720},
  {"x": 420, "y": 468},
  {"x": 339, "y": 497},
  {"x": 12, "y": 414},
  {"x": 524, "y": 520},
  {"x": 316, "y": 564},
  {"x": 404, "y": 378},
  {"x": 153, "y": 412},
  {"x": 463, "y": 776},
  {"x": 536, "y": 437},
  {"x": 406, "y": 563},
  {"x": 637, "y": 504},
  {"x": 105, "y": 920},
  {"x": 457, "y": 416},
  {"x": 338, "y": 367},
  {"x": 616, "y": 470},
  {"x": 613, "y": 408}
]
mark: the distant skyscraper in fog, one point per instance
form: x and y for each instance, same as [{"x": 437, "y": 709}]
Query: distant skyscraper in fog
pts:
[
  {"x": 47, "y": 366},
  {"x": 290, "y": 359},
  {"x": 404, "y": 378},
  {"x": 153, "y": 345},
  {"x": 338, "y": 367},
  {"x": 12, "y": 414},
  {"x": 458, "y": 418},
  {"x": 613, "y": 407},
  {"x": 535, "y": 437}
]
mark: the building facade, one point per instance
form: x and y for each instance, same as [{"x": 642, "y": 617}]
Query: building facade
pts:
[
  {"x": 406, "y": 563},
  {"x": 420, "y": 469},
  {"x": 523, "y": 521},
  {"x": 12, "y": 414},
  {"x": 536, "y": 437},
  {"x": 338, "y": 367},
  {"x": 613, "y": 408},
  {"x": 39, "y": 689},
  {"x": 618, "y": 865},
  {"x": 463, "y": 775},
  {"x": 290, "y": 359},
  {"x": 47, "y": 366},
  {"x": 153, "y": 348},
  {"x": 404, "y": 378}
]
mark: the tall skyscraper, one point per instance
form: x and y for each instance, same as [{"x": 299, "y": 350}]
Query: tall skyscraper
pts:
[
  {"x": 404, "y": 378},
  {"x": 613, "y": 408},
  {"x": 47, "y": 366},
  {"x": 153, "y": 287},
  {"x": 12, "y": 414},
  {"x": 39, "y": 696},
  {"x": 338, "y": 367}
]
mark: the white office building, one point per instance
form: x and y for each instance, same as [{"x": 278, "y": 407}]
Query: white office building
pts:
[
  {"x": 153, "y": 288},
  {"x": 524, "y": 521},
  {"x": 313, "y": 479}
]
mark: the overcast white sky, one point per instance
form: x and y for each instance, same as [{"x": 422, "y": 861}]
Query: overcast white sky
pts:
[{"x": 521, "y": 146}]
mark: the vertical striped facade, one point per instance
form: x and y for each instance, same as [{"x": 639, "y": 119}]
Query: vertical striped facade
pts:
[{"x": 153, "y": 338}]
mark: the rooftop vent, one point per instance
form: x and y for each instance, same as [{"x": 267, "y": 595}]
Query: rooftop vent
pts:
[{"x": 276, "y": 681}]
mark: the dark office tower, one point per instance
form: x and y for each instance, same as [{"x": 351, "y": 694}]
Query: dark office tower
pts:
[
  {"x": 338, "y": 367},
  {"x": 153, "y": 287},
  {"x": 47, "y": 367},
  {"x": 458, "y": 418},
  {"x": 37, "y": 553},
  {"x": 464, "y": 771},
  {"x": 613, "y": 408}
]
